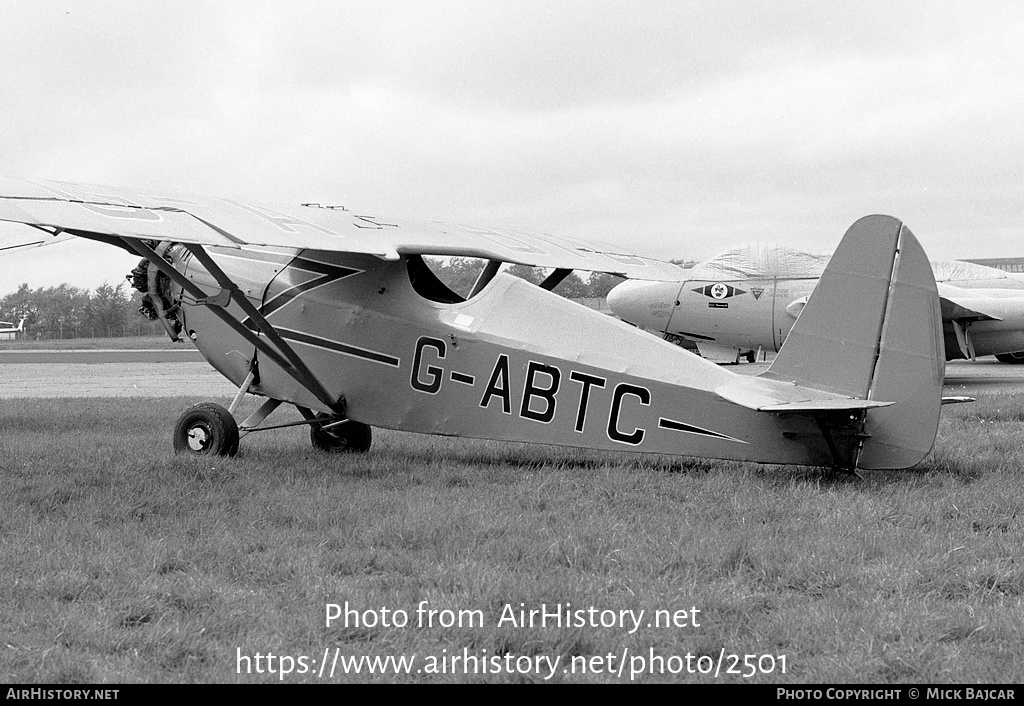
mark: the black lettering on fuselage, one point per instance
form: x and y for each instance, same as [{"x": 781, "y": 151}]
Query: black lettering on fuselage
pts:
[
  {"x": 435, "y": 375},
  {"x": 621, "y": 390},
  {"x": 498, "y": 386},
  {"x": 531, "y": 390},
  {"x": 587, "y": 381}
]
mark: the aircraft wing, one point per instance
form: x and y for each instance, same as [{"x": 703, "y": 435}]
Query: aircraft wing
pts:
[
  {"x": 963, "y": 304},
  {"x": 13, "y": 237},
  {"x": 91, "y": 211}
]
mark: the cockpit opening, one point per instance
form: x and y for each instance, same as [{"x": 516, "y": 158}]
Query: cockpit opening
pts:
[
  {"x": 450, "y": 280},
  {"x": 426, "y": 282}
]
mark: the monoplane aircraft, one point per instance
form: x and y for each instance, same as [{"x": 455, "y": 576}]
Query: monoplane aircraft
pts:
[
  {"x": 337, "y": 313},
  {"x": 9, "y": 327},
  {"x": 746, "y": 299}
]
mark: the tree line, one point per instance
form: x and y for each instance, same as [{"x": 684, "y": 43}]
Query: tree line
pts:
[{"x": 66, "y": 311}]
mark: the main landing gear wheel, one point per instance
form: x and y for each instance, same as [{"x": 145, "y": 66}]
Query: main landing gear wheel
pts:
[
  {"x": 344, "y": 437},
  {"x": 206, "y": 429},
  {"x": 1014, "y": 358}
]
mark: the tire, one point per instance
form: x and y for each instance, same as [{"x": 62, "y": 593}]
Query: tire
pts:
[
  {"x": 350, "y": 437},
  {"x": 1013, "y": 358},
  {"x": 206, "y": 429}
]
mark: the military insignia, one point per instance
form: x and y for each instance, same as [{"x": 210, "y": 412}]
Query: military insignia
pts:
[
  {"x": 757, "y": 292},
  {"x": 719, "y": 291}
]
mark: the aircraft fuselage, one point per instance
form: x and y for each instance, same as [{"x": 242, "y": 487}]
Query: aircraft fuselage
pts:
[
  {"x": 513, "y": 363},
  {"x": 754, "y": 314}
]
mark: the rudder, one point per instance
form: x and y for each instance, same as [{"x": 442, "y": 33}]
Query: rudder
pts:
[{"x": 911, "y": 366}]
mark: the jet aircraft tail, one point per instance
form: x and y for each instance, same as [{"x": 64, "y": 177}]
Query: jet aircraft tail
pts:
[{"x": 872, "y": 331}]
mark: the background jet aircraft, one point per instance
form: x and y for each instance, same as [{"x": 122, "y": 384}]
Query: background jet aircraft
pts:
[{"x": 747, "y": 298}]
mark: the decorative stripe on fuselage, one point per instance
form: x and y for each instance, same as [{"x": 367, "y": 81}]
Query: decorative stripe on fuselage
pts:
[
  {"x": 673, "y": 425},
  {"x": 328, "y": 273},
  {"x": 338, "y": 347}
]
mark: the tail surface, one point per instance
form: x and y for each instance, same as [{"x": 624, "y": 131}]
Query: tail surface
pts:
[{"x": 872, "y": 330}]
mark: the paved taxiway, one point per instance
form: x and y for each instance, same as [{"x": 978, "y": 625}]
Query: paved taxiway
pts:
[
  {"x": 985, "y": 376},
  {"x": 110, "y": 373},
  {"x": 181, "y": 355},
  {"x": 160, "y": 373}
]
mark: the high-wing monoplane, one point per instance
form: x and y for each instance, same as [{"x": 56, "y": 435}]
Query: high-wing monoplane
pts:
[
  {"x": 9, "y": 327},
  {"x": 337, "y": 313},
  {"x": 746, "y": 300}
]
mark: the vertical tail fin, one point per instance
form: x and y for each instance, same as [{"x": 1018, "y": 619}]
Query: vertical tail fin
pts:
[{"x": 872, "y": 329}]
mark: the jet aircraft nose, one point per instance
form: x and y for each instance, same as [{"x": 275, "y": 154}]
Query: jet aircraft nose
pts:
[{"x": 646, "y": 304}]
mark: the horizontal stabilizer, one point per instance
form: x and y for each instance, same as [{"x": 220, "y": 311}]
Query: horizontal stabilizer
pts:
[
  {"x": 957, "y": 400},
  {"x": 773, "y": 396}
]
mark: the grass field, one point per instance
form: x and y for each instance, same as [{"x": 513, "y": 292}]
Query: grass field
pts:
[{"x": 124, "y": 563}]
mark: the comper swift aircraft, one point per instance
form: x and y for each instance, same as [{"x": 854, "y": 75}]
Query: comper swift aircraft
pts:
[
  {"x": 337, "y": 314},
  {"x": 747, "y": 299}
]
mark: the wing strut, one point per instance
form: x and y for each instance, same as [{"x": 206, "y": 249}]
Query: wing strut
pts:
[
  {"x": 486, "y": 275},
  {"x": 287, "y": 359},
  {"x": 555, "y": 278},
  {"x": 264, "y": 326}
]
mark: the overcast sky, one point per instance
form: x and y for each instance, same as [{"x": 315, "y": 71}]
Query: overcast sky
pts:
[{"x": 675, "y": 129}]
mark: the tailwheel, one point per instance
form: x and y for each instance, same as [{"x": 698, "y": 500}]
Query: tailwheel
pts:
[
  {"x": 206, "y": 429},
  {"x": 334, "y": 435}
]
